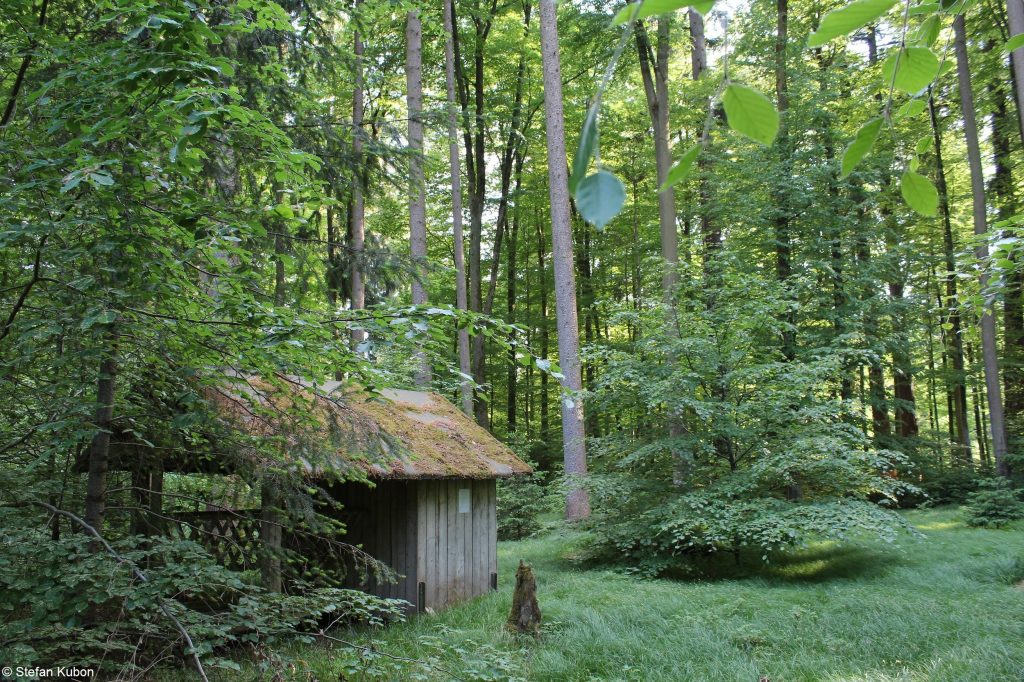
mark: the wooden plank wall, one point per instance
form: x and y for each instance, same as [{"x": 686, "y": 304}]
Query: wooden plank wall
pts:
[
  {"x": 387, "y": 530},
  {"x": 416, "y": 528},
  {"x": 457, "y": 552}
]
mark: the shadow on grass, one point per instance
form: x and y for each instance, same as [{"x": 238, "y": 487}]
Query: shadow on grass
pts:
[{"x": 817, "y": 564}]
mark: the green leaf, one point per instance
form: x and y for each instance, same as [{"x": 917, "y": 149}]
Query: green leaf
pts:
[
  {"x": 750, "y": 113},
  {"x": 911, "y": 69},
  {"x": 652, "y": 8},
  {"x": 928, "y": 33},
  {"x": 101, "y": 178},
  {"x": 584, "y": 150},
  {"x": 102, "y": 317},
  {"x": 923, "y": 144},
  {"x": 702, "y": 6},
  {"x": 919, "y": 193},
  {"x": 910, "y": 109},
  {"x": 861, "y": 145},
  {"x": 1014, "y": 43},
  {"x": 627, "y": 13},
  {"x": 924, "y": 8},
  {"x": 284, "y": 210},
  {"x": 847, "y": 19},
  {"x": 600, "y": 198},
  {"x": 681, "y": 170}
]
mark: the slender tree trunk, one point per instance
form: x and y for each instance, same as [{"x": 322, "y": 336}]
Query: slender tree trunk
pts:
[
  {"x": 577, "y": 504},
  {"x": 955, "y": 346},
  {"x": 783, "y": 239},
  {"x": 1002, "y": 188},
  {"x": 1015, "y": 15},
  {"x": 654, "y": 73},
  {"x": 545, "y": 424},
  {"x": 357, "y": 233},
  {"x": 99, "y": 448},
  {"x": 989, "y": 350},
  {"x": 513, "y": 244},
  {"x": 465, "y": 386},
  {"x": 417, "y": 196}
]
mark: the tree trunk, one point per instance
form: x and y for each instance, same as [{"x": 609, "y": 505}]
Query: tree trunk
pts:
[
  {"x": 99, "y": 448},
  {"x": 989, "y": 350},
  {"x": 783, "y": 239},
  {"x": 417, "y": 196},
  {"x": 513, "y": 243},
  {"x": 955, "y": 341},
  {"x": 1002, "y": 188},
  {"x": 654, "y": 73},
  {"x": 574, "y": 446},
  {"x": 357, "y": 234},
  {"x": 545, "y": 424},
  {"x": 465, "y": 386}
]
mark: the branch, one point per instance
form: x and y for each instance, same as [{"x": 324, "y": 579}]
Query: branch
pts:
[
  {"x": 24, "y": 292},
  {"x": 138, "y": 574}
]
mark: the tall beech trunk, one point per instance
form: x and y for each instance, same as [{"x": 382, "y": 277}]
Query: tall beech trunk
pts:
[
  {"x": 455, "y": 171},
  {"x": 545, "y": 423},
  {"x": 99, "y": 447},
  {"x": 1002, "y": 188},
  {"x": 577, "y": 504},
  {"x": 357, "y": 226},
  {"x": 989, "y": 350},
  {"x": 513, "y": 244},
  {"x": 476, "y": 170},
  {"x": 654, "y": 73},
  {"x": 417, "y": 196},
  {"x": 783, "y": 238},
  {"x": 951, "y": 308}
]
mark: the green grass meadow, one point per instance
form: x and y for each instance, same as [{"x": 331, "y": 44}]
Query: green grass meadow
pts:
[{"x": 946, "y": 606}]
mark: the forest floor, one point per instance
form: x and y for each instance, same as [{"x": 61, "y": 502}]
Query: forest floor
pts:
[{"x": 946, "y": 606}]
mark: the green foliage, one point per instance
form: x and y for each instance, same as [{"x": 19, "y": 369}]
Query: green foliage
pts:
[
  {"x": 521, "y": 501},
  {"x": 952, "y": 486},
  {"x": 65, "y": 604},
  {"x": 762, "y": 457},
  {"x": 994, "y": 504}
]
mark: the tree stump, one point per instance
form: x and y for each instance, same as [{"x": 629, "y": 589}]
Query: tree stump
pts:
[{"x": 525, "y": 615}]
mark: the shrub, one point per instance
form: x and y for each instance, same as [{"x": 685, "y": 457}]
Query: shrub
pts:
[
  {"x": 952, "y": 486},
  {"x": 62, "y": 603},
  {"x": 521, "y": 500},
  {"x": 994, "y": 504}
]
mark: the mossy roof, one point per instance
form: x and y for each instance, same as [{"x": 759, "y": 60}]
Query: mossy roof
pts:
[{"x": 390, "y": 434}]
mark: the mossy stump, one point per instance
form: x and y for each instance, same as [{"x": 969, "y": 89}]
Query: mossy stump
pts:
[{"x": 525, "y": 615}]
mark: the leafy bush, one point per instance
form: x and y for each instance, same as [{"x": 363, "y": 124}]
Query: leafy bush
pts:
[
  {"x": 62, "y": 603},
  {"x": 994, "y": 504},
  {"x": 739, "y": 448},
  {"x": 952, "y": 486}
]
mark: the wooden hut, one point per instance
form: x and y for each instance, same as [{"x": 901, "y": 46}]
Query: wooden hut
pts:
[
  {"x": 431, "y": 514},
  {"x": 427, "y": 508}
]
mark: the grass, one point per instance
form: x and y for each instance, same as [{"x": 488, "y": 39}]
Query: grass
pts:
[{"x": 948, "y": 606}]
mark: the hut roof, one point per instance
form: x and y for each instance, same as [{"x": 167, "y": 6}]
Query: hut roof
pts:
[{"x": 393, "y": 434}]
